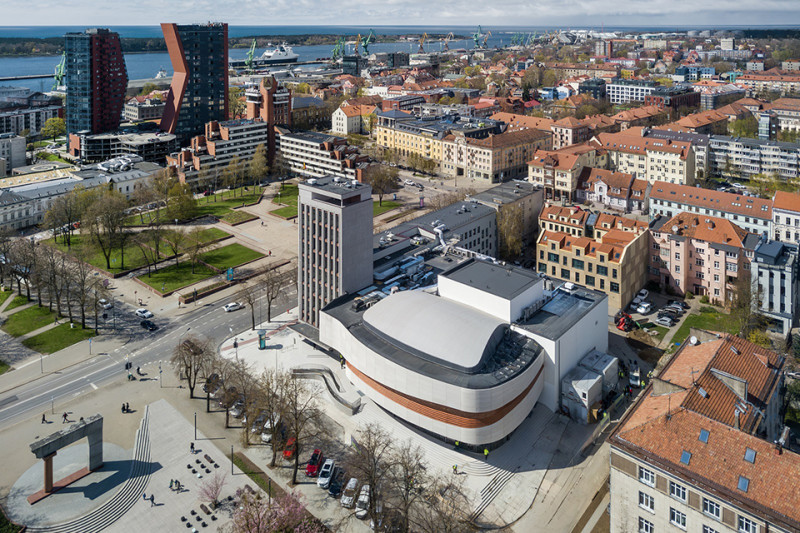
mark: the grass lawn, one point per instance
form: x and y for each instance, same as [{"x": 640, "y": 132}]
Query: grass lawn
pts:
[
  {"x": 18, "y": 301},
  {"x": 287, "y": 195},
  {"x": 174, "y": 277},
  {"x": 58, "y": 338},
  {"x": 212, "y": 234},
  {"x": 28, "y": 320},
  {"x": 287, "y": 212},
  {"x": 205, "y": 206},
  {"x": 387, "y": 206},
  {"x": 237, "y": 217},
  {"x": 133, "y": 255},
  {"x": 230, "y": 256},
  {"x": 4, "y": 296},
  {"x": 706, "y": 319},
  {"x": 3, "y": 369},
  {"x": 660, "y": 329}
]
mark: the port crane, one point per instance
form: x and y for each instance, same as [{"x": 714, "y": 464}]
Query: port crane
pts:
[
  {"x": 339, "y": 49},
  {"x": 366, "y": 40},
  {"x": 447, "y": 39},
  {"x": 60, "y": 72},
  {"x": 486, "y": 38},
  {"x": 357, "y": 44},
  {"x": 477, "y": 37},
  {"x": 422, "y": 43},
  {"x": 248, "y": 62}
]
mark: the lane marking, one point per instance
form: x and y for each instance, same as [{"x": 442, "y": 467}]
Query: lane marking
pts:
[{"x": 93, "y": 386}]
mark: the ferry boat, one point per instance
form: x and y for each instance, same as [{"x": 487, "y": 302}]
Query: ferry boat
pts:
[{"x": 282, "y": 53}]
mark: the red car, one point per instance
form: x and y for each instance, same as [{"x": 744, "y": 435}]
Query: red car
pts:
[
  {"x": 288, "y": 451},
  {"x": 314, "y": 464}
]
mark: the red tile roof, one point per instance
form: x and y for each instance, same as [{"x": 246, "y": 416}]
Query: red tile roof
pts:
[
  {"x": 706, "y": 228},
  {"x": 710, "y": 199},
  {"x": 625, "y": 142},
  {"x": 787, "y": 201}
]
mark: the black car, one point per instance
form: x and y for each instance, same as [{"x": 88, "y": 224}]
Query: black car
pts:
[
  {"x": 148, "y": 325},
  {"x": 337, "y": 483},
  {"x": 679, "y": 303}
]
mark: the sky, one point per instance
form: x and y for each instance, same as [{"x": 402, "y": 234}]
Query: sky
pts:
[{"x": 569, "y": 13}]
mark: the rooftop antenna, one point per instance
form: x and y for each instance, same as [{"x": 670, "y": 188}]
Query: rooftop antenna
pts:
[
  {"x": 669, "y": 407},
  {"x": 693, "y": 372}
]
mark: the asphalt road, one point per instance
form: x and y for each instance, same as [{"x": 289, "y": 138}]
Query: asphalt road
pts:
[{"x": 208, "y": 320}]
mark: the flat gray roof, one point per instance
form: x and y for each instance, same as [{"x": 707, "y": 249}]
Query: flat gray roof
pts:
[
  {"x": 507, "y": 192},
  {"x": 501, "y": 280},
  {"x": 562, "y": 312}
]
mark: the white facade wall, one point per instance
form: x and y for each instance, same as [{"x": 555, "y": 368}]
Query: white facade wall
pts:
[
  {"x": 785, "y": 226},
  {"x": 12, "y": 149},
  {"x": 391, "y": 375},
  {"x": 502, "y": 308},
  {"x": 752, "y": 224}
]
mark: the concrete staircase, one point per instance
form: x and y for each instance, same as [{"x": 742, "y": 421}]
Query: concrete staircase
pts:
[{"x": 123, "y": 500}]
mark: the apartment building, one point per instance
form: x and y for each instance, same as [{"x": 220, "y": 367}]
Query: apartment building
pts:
[
  {"x": 309, "y": 112},
  {"x": 774, "y": 272},
  {"x": 350, "y": 119},
  {"x": 570, "y": 220},
  {"x": 143, "y": 109},
  {"x": 787, "y": 113},
  {"x": 12, "y": 152},
  {"x": 701, "y": 450},
  {"x": 496, "y": 158},
  {"x": 211, "y": 153},
  {"x": 569, "y": 131},
  {"x": 407, "y": 134},
  {"x": 559, "y": 171},
  {"x": 748, "y": 212},
  {"x": 698, "y": 141},
  {"x": 613, "y": 262},
  {"x": 622, "y": 91},
  {"x": 674, "y": 97},
  {"x": 315, "y": 154},
  {"x": 523, "y": 196},
  {"x": 720, "y": 95},
  {"x": 713, "y": 121},
  {"x": 700, "y": 254},
  {"x": 616, "y": 190},
  {"x": 686, "y": 73},
  {"x": 570, "y": 70},
  {"x": 649, "y": 115},
  {"x": 784, "y": 82},
  {"x": 648, "y": 158},
  {"x": 335, "y": 242},
  {"x": 94, "y": 148},
  {"x": 786, "y": 217},
  {"x": 32, "y": 119},
  {"x": 744, "y": 157}
]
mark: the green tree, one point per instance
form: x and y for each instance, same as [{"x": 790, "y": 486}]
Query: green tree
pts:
[
  {"x": 181, "y": 204},
  {"x": 54, "y": 127},
  {"x": 236, "y": 104},
  {"x": 302, "y": 88},
  {"x": 147, "y": 88},
  {"x": 383, "y": 180},
  {"x": 549, "y": 78},
  {"x": 744, "y": 127},
  {"x": 509, "y": 231},
  {"x": 104, "y": 220},
  {"x": 259, "y": 167}
]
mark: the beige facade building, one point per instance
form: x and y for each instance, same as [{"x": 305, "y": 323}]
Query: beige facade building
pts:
[
  {"x": 649, "y": 158},
  {"x": 613, "y": 260},
  {"x": 559, "y": 171},
  {"x": 496, "y": 158},
  {"x": 702, "y": 450}
]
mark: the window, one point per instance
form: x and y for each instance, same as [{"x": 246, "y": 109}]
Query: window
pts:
[
  {"x": 704, "y": 435},
  {"x": 677, "y": 255},
  {"x": 747, "y": 526},
  {"x": 541, "y": 254},
  {"x": 712, "y": 508},
  {"x": 589, "y": 280},
  {"x": 577, "y": 263},
  {"x": 646, "y": 502},
  {"x": 743, "y": 484},
  {"x": 750, "y": 455},
  {"x": 614, "y": 287},
  {"x": 678, "y": 518},
  {"x": 647, "y": 477},
  {"x": 677, "y": 491},
  {"x": 553, "y": 258},
  {"x": 708, "y": 529},
  {"x": 645, "y": 526},
  {"x": 602, "y": 271}
]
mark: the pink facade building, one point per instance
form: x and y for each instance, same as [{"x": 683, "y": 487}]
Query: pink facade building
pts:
[{"x": 700, "y": 254}]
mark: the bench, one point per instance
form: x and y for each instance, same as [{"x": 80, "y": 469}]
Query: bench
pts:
[
  {"x": 209, "y": 459},
  {"x": 204, "y": 508}
]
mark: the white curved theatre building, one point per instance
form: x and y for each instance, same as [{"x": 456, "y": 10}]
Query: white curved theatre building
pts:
[{"x": 467, "y": 359}]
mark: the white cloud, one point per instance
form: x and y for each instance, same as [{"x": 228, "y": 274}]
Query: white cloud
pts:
[{"x": 533, "y": 13}]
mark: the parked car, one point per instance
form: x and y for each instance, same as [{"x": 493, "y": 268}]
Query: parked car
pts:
[
  {"x": 349, "y": 494},
  {"x": 312, "y": 467},
  {"x": 105, "y": 304},
  {"x": 644, "y": 293},
  {"x": 337, "y": 482},
  {"x": 362, "y": 504},
  {"x": 664, "y": 321},
  {"x": 148, "y": 325},
  {"x": 258, "y": 422},
  {"x": 410, "y": 182},
  {"x": 675, "y": 309},
  {"x": 233, "y": 306},
  {"x": 644, "y": 308},
  {"x": 290, "y": 449},
  {"x": 325, "y": 473},
  {"x": 237, "y": 410},
  {"x": 738, "y": 186},
  {"x": 212, "y": 383},
  {"x": 679, "y": 303},
  {"x": 143, "y": 313}
]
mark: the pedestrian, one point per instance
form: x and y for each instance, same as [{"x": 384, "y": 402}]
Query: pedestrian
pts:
[
  {"x": 457, "y": 444},
  {"x": 44, "y": 420},
  {"x": 486, "y": 453},
  {"x": 144, "y": 496},
  {"x": 123, "y": 408},
  {"x": 455, "y": 469},
  {"x": 81, "y": 420},
  {"x": 262, "y": 222},
  {"x": 643, "y": 383},
  {"x": 191, "y": 447},
  {"x": 64, "y": 418},
  {"x": 152, "y": 500},
  {"x": 127, "y": 408},
  {"x": 171, "y": 482}
]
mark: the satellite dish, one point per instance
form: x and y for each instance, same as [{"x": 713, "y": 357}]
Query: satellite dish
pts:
[
  {"x": 693, "y": 340},
  {"x": 675, "y": 229}
]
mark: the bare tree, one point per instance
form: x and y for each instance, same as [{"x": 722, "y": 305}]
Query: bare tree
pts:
[
  {"x": 248, "y": 294},
  {"x": 383, "y": 180},
  {"x": 273, "y": 282},
  {"x": 371, "y": 462},
  {"x": 6, "y": 242},
  {"x": 259, "y": 167},
  {"x": 142, "y": 240},
  {"x": 175, "y": 239},
  {"x": 191, "y": 357},
  {"x": 211, "y": 488},
  {"x": 509, "y": 231},
  {"x": 194, "y": 245},
  {"x": 104, "y": 221},
  {"x": 445, "y": 509},
  {"x": 270, "y": 395},
  {"x": 82, "y": 276},
  {"x": 300, "y": 418},
  {"x": 407, "y": 481}
]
